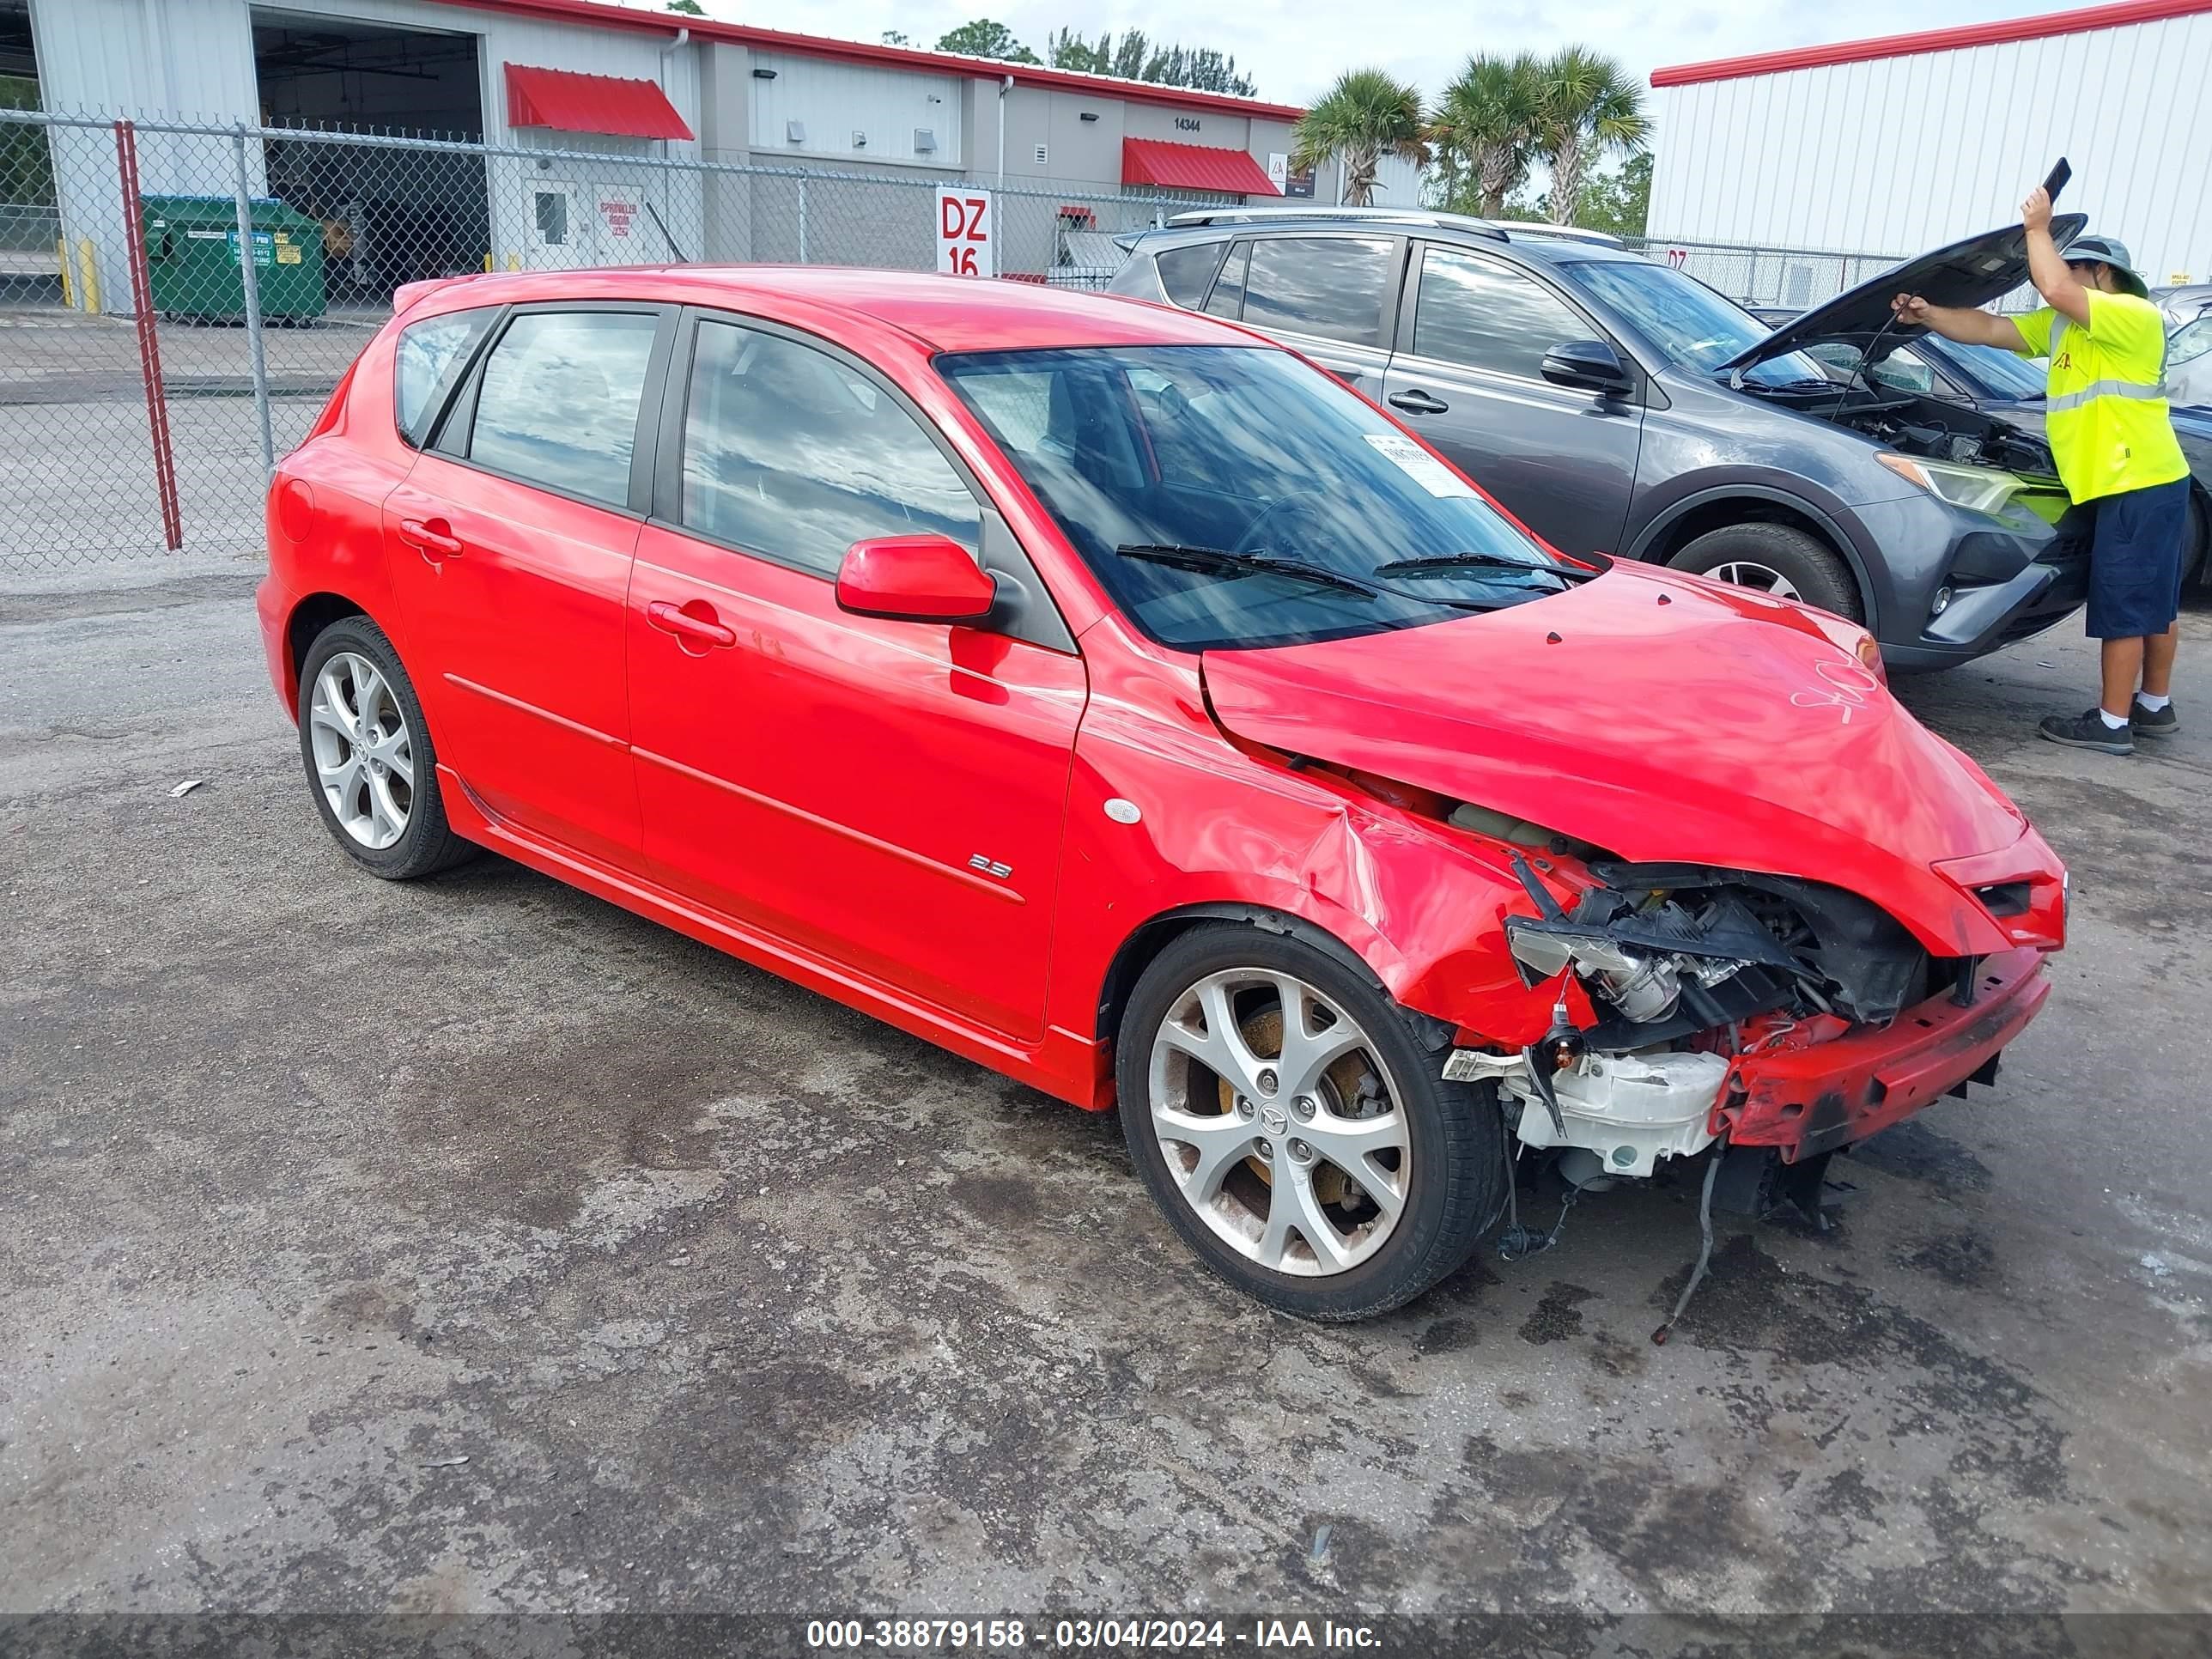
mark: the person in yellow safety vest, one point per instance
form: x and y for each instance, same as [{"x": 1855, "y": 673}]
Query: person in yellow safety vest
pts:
[{"x": 2105, "y": 413}]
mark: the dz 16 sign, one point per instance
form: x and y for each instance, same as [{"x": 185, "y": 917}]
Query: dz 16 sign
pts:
[{"x": 965, "y": 231}]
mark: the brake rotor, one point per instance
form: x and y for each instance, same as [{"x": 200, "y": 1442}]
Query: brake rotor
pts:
[{"x": 1343, "y": 1086}]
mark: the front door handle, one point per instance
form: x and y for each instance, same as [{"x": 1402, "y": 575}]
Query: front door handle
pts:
[
  {"x": 433, "y": 538},
  {"x": 1418, "y": 402},
  {"x": 693, "y": 624}
]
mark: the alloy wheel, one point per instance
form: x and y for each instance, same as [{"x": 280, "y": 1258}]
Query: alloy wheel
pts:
[
  {"x": 1743, "y": 573},
  {"x": 1279, "y": 1122},
  {"x": 364, "y": 754}
]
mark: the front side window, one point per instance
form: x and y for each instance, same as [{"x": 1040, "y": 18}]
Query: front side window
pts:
[
  {"x": 1687, "y": 322},
  {"x": 1232, "y": 496},
  {"x": 430, "y": 357},
  {"x": 559, "y": 401},
  {"x": 1332, "y": 286},
  {"x": 1480, "y": 315},
  {"x": 792, "y": 455}
]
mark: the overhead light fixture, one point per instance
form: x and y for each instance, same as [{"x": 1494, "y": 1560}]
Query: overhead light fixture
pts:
[{"x": 764, "y": 75}]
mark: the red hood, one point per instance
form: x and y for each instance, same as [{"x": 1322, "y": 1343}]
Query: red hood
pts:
[{"x": 1660, "y": 717}]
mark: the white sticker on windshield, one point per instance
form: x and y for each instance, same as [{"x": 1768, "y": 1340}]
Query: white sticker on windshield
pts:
[{"x": 1423, "y": 468}]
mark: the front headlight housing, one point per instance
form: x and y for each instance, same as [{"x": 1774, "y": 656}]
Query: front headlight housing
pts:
[{"x": 1978, "y": 489}]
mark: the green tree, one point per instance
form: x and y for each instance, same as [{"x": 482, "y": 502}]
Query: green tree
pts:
[
  {"x": 1589, "y": 110},
  {"x": 896, "y": 37},
  {"x": 1484, "y": 129},
  {"x": 1134, "y": 57},
  {"x": 689, "y": 8},
  {"x": 1620, "y": 201},
  {"x": 1366, "y": 116},
  {"x": 987, "y": 38}
]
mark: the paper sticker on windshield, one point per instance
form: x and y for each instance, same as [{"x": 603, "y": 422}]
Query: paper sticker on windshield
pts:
[{"x": 1423, "y": 468}]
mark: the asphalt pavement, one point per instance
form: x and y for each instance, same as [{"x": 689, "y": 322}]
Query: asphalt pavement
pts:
[{"x": 475, "y": 1245}]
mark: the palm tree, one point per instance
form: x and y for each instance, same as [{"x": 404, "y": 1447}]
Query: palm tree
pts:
[
  {"x": 1484, "y": 125},
  {"x": 1365, "y": 116},
  {"x": 1589, "y": 109}
]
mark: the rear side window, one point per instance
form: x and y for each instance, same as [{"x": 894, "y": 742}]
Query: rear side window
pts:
[
  {"x": 1333, "y": 287},
  {"x": 792, "y": 455},
  {"x": 1187, "y": 272},
  {"x": 559, "y": 399},
  {"x": 430, "y": 360},
  {"x": 1483, "y": 316}
]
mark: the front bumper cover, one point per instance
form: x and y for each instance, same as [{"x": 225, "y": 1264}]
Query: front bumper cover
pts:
[{"x": 1818, "y": 1085}]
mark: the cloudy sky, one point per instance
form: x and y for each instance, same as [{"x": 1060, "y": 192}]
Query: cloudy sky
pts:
[{"x": 1294, "y": 50}]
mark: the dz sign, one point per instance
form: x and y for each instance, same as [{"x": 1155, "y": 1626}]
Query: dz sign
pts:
[{"x": 965, "y": 230}]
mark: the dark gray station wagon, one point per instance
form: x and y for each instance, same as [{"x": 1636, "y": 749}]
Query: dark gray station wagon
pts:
[{"x": 1615, "y": 405}]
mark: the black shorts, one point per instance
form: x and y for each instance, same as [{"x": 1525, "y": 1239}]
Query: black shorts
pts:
[{"x": 2134, "y": 560}]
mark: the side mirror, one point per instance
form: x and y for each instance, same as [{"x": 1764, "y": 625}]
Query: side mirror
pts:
[
  {"x": 1587, "y": 366},
  {"x": 924, "y": 579}
]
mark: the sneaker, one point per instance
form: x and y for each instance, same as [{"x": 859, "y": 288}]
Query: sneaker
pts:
[
  {"x": 2163, "y": 724},
  {"x": 2089, "y": 731}
]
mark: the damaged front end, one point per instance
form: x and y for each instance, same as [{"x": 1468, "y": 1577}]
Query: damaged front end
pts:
[{"x": 1780, "y": 1011}]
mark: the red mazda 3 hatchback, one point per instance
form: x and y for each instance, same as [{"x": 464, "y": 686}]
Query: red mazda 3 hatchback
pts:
[{"x": 1106, "y": 694}]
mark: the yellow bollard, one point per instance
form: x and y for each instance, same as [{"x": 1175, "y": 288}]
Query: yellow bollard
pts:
[
  {"x": 69, "y": 288},
  {"x": 513, "y": 264},
  {"x": 88, "y": 271},
  {"x": 487, "y": 265}
]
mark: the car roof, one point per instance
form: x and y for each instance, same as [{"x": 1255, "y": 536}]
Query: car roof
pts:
[
  {"x": 1532, "y": 247},
  {"x": 943, "y": 313}
]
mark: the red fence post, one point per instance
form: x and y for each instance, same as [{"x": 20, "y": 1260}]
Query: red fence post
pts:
[{"x": 149, "y": 346}]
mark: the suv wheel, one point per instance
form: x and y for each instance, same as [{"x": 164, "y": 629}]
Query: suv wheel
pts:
[
  {"x": 1290, "y": 1120},
  {"x": 1777, "y": 559},
  {"x": 369, "y": 755}
]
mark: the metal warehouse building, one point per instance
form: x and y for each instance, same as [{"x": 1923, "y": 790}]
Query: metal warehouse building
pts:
[
  {"x": 1898, "y": 144},
  {"x": 632, "y": 92}
]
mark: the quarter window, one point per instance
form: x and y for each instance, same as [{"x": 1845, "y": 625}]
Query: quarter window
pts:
[
  {"x": 1187, "y": 272},
  {"x": 431, "y": 356},
  {"x": 789, "y": 454},
  {"x": 1481, "y": 315},
  {"x": 1331, "y": 287},
  {"x": 559, "y": 401}
]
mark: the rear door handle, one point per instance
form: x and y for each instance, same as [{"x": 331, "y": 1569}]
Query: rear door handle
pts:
[
  {"x": 1418, "y": 402},
  {"x": 685, "y": 623},
  {"x": 433, "y": 538}
]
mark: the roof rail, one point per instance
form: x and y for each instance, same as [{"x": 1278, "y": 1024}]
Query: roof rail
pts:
[
  {"x": 1565, "y": 233},
  {"x": 1382, "y": 216}
]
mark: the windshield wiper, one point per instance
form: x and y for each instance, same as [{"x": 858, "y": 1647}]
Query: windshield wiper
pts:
[
  {"x": 1445, "y": 564},
  {"x": 1217, "y": 561}
]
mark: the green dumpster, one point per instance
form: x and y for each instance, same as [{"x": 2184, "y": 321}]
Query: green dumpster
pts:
[{"x": 191, "y": 255}]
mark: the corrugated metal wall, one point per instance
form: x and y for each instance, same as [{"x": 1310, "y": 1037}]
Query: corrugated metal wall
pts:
[
  {"x": 833, "y": 102},
  {"x": 1901, "y": 154}
]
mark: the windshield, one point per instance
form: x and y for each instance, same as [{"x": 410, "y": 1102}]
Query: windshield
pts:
[
  {"x": 2003, "y": 374},
  {"x": 1688, "y": 322},
  {"x": 1231, "y": 496}
]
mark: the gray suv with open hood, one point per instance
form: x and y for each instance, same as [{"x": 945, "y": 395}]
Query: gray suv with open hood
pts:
[{"x": 1617, "y": 405}]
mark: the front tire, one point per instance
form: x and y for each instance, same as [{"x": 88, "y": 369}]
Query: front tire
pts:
[
  {"x": 1290, "y": 1120},
  {"x": 1779, "y": 559},
  {"x": 369, "y": 756}
]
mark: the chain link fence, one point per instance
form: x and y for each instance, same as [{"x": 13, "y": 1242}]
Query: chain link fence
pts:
[{"x": 177, "y": 302}]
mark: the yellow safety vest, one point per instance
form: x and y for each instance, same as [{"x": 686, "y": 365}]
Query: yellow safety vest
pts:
[{"x": 2105, "y": 408}]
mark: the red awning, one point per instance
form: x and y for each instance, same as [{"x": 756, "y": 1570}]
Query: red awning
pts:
[
  {"x": 1193, "y": 166},
  {"x": 570, "y": 102}
]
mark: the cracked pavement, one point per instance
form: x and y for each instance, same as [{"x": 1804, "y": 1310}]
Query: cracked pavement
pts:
[{"x": 732, "y": 1299}]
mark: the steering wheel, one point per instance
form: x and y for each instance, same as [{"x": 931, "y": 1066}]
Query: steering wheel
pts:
[{"x": 1298, "y": 499}]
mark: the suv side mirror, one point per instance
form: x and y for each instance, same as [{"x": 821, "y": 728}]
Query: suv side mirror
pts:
[
  {"x": 924, "y": 579},
  {"x": 1587, "y": 366}
]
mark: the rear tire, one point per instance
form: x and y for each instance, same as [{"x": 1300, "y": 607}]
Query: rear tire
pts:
[
  {"x": 1775, "y": 558},
  {"x": 371, "y": 766},
  {"x": 1335, "y": 1123}
]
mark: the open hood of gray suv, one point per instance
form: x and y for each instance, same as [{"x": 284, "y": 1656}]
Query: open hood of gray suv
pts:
[{"x": 1971, "y": 272}]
